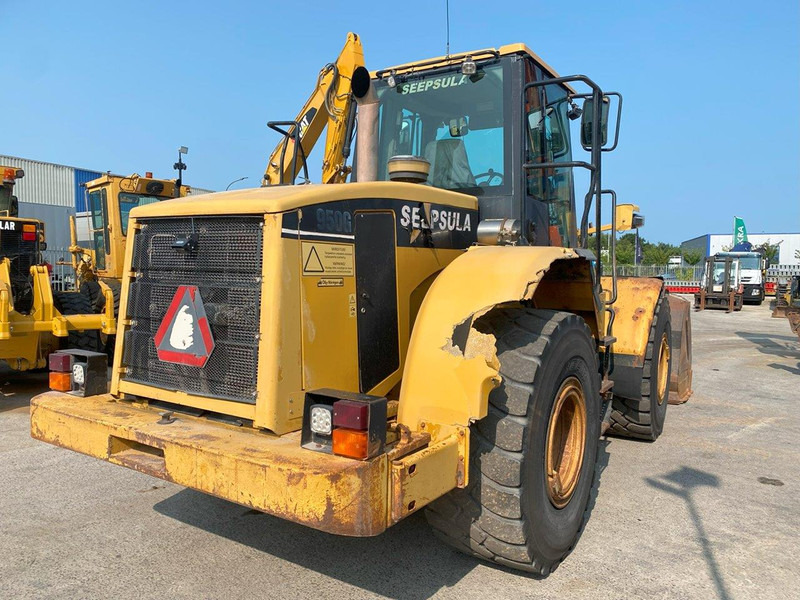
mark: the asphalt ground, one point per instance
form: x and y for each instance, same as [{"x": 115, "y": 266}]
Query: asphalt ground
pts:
[{"x": 711, "y": 510}]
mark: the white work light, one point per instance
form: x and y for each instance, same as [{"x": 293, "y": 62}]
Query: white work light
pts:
[
  {"x": 468, "y": 67},
  {"x": 78, "y": 374},
  {"x": 321, "y": 419}
]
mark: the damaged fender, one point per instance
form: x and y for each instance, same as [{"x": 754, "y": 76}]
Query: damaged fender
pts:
[{"x": 451, "y": 367}]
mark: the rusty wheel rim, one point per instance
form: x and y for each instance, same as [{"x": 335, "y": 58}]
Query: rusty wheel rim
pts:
[
  {"x": 566, "y": 440},
  {"x": 663, "y": 368}
]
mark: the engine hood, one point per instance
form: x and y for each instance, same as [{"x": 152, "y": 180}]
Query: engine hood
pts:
[{"x": 286, "y": 198}]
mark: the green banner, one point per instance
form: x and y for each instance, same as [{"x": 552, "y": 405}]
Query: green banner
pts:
[{"x": 739, "y": 231}]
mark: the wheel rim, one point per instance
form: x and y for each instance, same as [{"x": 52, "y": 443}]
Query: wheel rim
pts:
[
  {"x": 566, "y": 440},
  {"x": 663, "y": 368}
]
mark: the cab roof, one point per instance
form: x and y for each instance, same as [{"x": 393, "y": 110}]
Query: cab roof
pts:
[{"x": 441, "y": 61}]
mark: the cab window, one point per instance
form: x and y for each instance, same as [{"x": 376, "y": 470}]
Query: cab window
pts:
[
  {"x": 99, "y": 225},
  {"x": 128, "y": 201},
  {"x": 455, "y": 121},
  {"x": 548, "y": 140}
]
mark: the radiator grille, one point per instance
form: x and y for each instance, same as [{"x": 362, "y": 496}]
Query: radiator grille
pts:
[{"x": 227, "y": 270}]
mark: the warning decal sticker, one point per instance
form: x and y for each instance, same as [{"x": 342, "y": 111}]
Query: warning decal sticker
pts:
[
  {"x": 330, "y": 260},
  {"x": 184, "y": 335}
]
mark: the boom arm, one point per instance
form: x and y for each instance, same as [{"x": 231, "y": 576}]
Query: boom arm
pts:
[{"x": 330, "y": 104}]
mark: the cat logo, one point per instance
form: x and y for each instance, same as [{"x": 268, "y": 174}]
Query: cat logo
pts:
[{"x": 184, "y": 336}]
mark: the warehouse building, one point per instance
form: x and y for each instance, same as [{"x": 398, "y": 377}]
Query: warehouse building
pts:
[
  {"x": 52, "y": 193},
  {"x": 711, "y": 243}
]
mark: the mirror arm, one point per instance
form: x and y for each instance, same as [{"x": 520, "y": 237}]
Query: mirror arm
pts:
[{"x": 619, "y": 117}]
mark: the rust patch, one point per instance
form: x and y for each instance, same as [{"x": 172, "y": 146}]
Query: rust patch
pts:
[
  {"x": 637, "y": 313},
  {"x": 294, "y": 478}
]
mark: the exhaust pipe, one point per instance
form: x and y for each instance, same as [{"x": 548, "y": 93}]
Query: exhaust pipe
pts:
[{"x": 367, "y": 138}]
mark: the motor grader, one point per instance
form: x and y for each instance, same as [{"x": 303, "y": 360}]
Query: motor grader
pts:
[
  {"x": 35, "y": 320},
  {"x": 110, "y": 199},
  {"x": 432, "y": 334}
]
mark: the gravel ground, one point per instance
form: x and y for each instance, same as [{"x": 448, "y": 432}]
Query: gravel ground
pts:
[{"x": 710, "y": 510}]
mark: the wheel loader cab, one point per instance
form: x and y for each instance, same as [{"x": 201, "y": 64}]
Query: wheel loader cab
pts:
[{"x": 477, "y": 130}]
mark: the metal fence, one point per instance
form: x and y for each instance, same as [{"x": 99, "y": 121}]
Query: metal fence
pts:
[
  {"x": 666, "y": 271},
  {"x": 63, "y": 275},
  {"x": 782, "y": 273}
]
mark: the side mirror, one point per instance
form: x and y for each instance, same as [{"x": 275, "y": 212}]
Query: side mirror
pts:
[{"x": 587, "y": 119}]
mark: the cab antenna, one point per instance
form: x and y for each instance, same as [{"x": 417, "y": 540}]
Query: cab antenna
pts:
[{"x": 447, "y": 11}]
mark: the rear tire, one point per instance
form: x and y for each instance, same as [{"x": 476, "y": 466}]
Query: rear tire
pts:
[
  {"x": 643, "y": 418},
  {"x": 509, "y": 511},
  {"x": 109, "y": 341},
  {"x": 93, "y": 291},
  {"x": 72, "y": 303}
]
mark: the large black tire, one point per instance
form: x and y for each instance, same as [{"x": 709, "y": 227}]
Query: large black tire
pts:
[
  {"x": 93, "y": 291},
  {"x": 109, "y": 341},
  {"x": 73, "y": 303},
  {"x": 643, "y": 418},
  {"x": 505, "y": 515}
]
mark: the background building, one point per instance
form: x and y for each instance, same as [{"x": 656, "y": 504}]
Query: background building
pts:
[
  {"x": 711, "y": 243},
  {"x": 51, "y": 193}
]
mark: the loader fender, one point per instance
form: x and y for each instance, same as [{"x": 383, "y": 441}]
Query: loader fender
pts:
[
  {"x": 451, "y": 366},
  {"x": 634, "y": 309}
]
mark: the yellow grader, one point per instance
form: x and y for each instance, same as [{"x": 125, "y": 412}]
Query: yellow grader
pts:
[
  {"x": 432, "y": 334},
  {"x": 110, "y": 199},
  {"x": 35, "y": 320}
]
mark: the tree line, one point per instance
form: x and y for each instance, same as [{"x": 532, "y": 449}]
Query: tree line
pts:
[{"x": 659, "y": 253}]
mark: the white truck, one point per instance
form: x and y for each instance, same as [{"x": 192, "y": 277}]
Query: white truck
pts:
[{"x": 753, "y": 268}]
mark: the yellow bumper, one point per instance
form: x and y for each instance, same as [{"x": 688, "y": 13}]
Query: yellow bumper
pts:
[{"x": 269, "y": 473}]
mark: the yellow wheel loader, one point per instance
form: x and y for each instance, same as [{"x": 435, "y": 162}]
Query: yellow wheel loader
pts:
[
  {"x": 35, "y": 320},
  {"x": 431, "y": 335},
  {"x": 110, "y": 199}
]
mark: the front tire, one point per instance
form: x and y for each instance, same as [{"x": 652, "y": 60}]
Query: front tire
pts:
[
  {"x": 515, "y": 510},
  {"x": 643, "y": 417}
]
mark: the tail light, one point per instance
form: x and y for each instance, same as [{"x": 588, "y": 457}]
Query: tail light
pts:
[
  {"x": 29, "y": 233},
  {"x": 344, "y": 423},
  {"x": 79, "y": 372}
]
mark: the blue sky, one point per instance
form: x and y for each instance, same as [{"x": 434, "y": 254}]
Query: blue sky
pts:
[{"x": 710, "y": 125}]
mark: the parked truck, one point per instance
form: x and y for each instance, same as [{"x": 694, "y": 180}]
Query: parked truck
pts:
[{"x": 752, "y": 273}]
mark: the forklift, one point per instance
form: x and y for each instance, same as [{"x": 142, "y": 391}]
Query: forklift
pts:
[{"x": 721, "y": 285}]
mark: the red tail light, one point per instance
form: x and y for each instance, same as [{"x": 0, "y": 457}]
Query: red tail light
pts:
[
  {"x": 344, "y": 423},
  {"x": 350, "y": 414}
]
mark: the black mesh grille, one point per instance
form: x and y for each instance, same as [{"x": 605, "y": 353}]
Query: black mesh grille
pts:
[
  {"x": 227, "y": 270},
  {"x": 23, "y": 255}
]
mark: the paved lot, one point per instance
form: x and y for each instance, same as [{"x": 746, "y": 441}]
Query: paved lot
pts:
[{"x": 711, "y": 510}]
